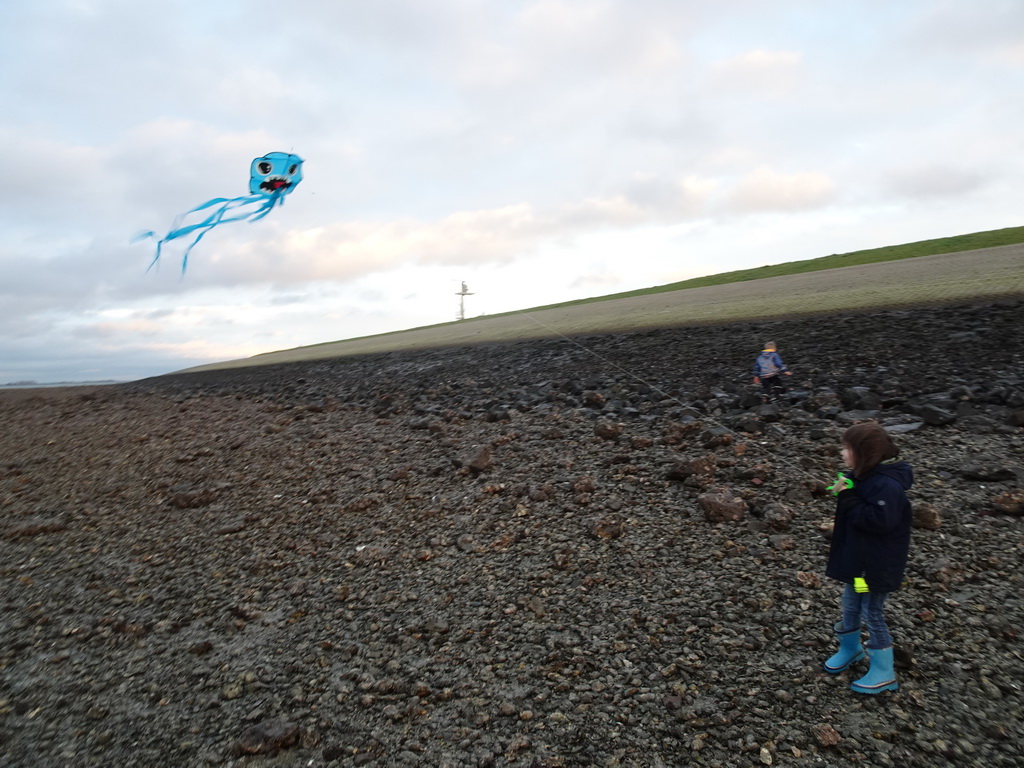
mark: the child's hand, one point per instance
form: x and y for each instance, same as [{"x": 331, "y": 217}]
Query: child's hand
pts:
[
  {"x": 842, "y": 483},
  {"x": 789, "y": 373},
  {"x": 757, "y": 379}
]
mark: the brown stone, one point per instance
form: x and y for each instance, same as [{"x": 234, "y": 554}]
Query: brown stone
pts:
[
  {"x": 1010, "y": 503},
  {"x": 809, "y": 580},
  {"x": 944, "y": 571},
  {"x": 679, "y": 433},
  {"x": 722, "y": 506},
  {"x": 926, "y": 517},
  {"x": 826, "y": 735},
  {"x": 585, "y": 484},
  {"x": 704, "y": 468},
  {"x": 607, "y": 528},
  {"x": 608, "y": 430},
  {"x": 757, "y": 474}
]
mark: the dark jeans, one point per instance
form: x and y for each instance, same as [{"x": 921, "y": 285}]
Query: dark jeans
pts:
[
  {"x": 868, "y": 606},
  {"x": 772, "y": 385}
]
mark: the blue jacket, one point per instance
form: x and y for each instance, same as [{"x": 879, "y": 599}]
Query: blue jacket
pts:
[
  {"x": 871, "y": 536},
  {"x": 768, "y": 364}
]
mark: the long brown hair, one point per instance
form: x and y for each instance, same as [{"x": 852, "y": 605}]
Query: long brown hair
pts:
[{"x": 871, "y": 445}]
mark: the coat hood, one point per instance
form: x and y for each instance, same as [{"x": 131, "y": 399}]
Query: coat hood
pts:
[{"x": 899, "y": 471}]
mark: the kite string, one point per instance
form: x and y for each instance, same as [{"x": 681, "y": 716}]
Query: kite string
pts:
[{"x": 659, "y": 390}]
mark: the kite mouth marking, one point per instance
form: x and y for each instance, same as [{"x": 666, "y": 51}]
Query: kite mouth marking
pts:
[{"x": 275, "y": 183}]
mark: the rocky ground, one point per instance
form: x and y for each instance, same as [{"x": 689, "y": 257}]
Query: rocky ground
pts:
[{"x": 602, "y": 551}]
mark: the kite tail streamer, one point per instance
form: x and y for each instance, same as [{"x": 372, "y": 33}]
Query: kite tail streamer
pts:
[{"x": 264, "y": 203}]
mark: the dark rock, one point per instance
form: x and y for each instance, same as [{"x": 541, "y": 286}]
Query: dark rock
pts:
[
  {"x": 716, "y": 436},
  {"x": 856, "y": 417},
  {"x": 230, "y": 526},
  {"x": 480, "y": 459},
  {"x": 268, "y": 737},
  {"x": 903, "y": 427},
  {"x": 748, "y": 423},
  {"x": 496, "y": 414},
  {"x": 704, "y": 467},
  {"x": 750, "y": 399},
  {"x": 777, "y": 515},
  {"x": 860, "y": 399},
  {"x": 193, "y": 498},
  {"x": 903, "y": 656},
  {"x": 987, "y": 469},
  {"x": 944, "y": 571},
  {"x": 768, "y": 412},
  {"x": 935, "y": 416}
]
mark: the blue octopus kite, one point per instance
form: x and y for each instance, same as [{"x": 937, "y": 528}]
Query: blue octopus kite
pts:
[{"x": 272, "y": 177}]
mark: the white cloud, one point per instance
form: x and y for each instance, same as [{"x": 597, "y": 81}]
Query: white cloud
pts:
[
  {"x": 350, "y": 249},
  {"x": 766, "y": 190},
  {"x": 760, "y": 73},
  {"x": 44, "y": 178},
  {"x": 936, "y": 180}
]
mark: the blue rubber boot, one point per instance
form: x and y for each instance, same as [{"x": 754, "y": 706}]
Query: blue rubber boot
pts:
[
  {"x": 880, "y": 676},
  {"x": 850, "y": 650}
]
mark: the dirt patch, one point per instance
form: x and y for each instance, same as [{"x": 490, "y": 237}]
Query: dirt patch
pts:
[{"x": 22, "y": 394}]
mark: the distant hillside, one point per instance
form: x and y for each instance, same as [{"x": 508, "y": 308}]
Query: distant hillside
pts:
[
  {"x": 956, "y": 244},
  {"x": 855, "y": 282}
]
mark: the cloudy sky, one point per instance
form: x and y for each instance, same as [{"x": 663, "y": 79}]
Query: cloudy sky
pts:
[{"x": 539, "y": 150}]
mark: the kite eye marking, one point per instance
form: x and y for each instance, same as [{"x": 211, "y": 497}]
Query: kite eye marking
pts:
[
  {"x": 292, "y": 169},
  {"x": 265, "y": 167}
]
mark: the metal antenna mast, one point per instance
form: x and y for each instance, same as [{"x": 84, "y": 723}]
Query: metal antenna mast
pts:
[{"x": 462, "y": 300}]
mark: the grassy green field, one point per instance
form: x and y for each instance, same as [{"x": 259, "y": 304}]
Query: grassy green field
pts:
[
  {"x": 956, "y": 244},
  {"x": 952, "y": 269}
]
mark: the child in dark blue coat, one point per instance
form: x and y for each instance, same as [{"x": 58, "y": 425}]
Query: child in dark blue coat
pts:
[{"x": 870, "y": 544}]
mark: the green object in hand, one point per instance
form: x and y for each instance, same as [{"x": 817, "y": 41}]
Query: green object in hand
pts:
[
  {"x": 842, "y": 483},
  {"x": 859, "y": 585}
]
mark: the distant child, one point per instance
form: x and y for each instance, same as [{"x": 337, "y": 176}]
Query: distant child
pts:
[
  {"x": 767, "y": 368},
  {"x": 870, "y": 543}
]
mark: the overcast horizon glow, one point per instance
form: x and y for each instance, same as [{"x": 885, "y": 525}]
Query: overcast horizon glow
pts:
[{"x": 540, "y": 151}]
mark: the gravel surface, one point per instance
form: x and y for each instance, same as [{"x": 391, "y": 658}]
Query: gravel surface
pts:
[{"x": 601, "y": 551}]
